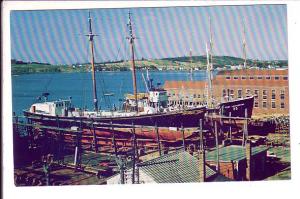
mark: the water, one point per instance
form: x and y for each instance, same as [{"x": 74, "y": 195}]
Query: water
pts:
[{"x": 26, "y": 88}]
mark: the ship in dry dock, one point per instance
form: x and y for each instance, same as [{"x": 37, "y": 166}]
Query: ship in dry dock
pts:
[
  {"x": 151, "y": 111},
  {"x": 155, "y": 112}
]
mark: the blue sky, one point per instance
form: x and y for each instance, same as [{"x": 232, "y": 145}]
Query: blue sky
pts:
[{"x": 53, "y": 36}]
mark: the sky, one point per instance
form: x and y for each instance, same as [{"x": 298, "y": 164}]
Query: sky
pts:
[{"x": 57, "y": 36}]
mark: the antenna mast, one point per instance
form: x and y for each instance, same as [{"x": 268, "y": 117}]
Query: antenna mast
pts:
[
  {"x": 131, "y": 39},
  {"x": 90, "y": 35}
]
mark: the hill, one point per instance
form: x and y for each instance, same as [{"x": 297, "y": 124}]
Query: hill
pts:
[{"x": 175, "y": 63}]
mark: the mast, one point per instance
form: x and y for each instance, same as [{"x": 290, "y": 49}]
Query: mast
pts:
[
  {"x": 244, "y": 45},
  {"x": 191, "y": 62},
  {"x": 131, "y": 41},
  {"x": 209, "y": 54},
  {"x": 209, "y": 96},
  {"x": 211, "y": 43},
  {"x": 90, "y": 35}
]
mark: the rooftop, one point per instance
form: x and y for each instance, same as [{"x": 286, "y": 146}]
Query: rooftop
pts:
[
  {"x": 177, "y": 167},
  {"x": 254, "y": 72},
  {"x": 233, "y": 153},
  {"x": 236, "y": 78},
  {"x": 184, "y": 84}
]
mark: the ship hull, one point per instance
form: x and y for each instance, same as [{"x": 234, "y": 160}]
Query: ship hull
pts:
[
  {"x": 238, "y": 108},
  {"x": 183, "y": 118},
  {"x": 122, "y": 127}
]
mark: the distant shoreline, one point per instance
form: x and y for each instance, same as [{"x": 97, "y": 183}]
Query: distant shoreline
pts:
[{"x": 197, "y": 63}]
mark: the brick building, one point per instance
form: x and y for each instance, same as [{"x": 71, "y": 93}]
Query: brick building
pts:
[{"x": 270, "y": 88}]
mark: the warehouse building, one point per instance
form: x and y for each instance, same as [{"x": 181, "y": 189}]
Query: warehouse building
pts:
[{"x": 269, "y": 86}]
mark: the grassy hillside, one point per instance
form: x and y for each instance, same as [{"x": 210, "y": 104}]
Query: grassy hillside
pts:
[
  {"x": 41, "y": 68},
  {"x": 176, "y": 63}
]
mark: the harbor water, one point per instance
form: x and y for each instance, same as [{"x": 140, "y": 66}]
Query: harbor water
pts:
[{"x": 111, "y": 87}]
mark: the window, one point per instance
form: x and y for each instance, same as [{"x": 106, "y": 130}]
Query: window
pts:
[
  {"x": 285, "y": 78},
  {"x": 259, "y": 77},
  {"x": 256, "y": 92},
  {"x": 232, "y": 93},
  {"x": 199, "y": 96},
  {"x": 235, "y": 77},
  {"x": 268, "y": 77},
  {"x": 265, "y": 93},
  {"x": 282, "y": 105},
  {"x": 251, "y": 77},
  {"x": 273, "y": 105},
  {"x": 243, "y": 77},
  {"x": 239, "y": 93},
  {"x": 264, "y": 104},
  {"x": 273, "y": 94},
  {"x": 282, "y": 94},
  {"x": 256, "y": 104},
  {"x": 248, "y": 92},
  {"x": 224, "y": 93},
  {"x": 228, "y": 77},
  {"x": 195, "y": 96},
  {"x": 276, "y": 78}
]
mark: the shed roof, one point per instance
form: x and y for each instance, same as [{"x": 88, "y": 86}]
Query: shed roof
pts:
[
  {"x": 176, "y": 167},
  {"x": 233, "y": 153}
]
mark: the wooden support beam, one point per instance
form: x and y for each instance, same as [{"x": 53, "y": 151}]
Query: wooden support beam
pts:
[
  {"x": 202, "y": 169},
  {"x": 114, "y": 139},
  {"x": 78, "y": 148},
  {"x": 133, "y": 154},
  {"x": 60, "y": 142},
  {"x": 158, "y": 139},
  {"x": 230, "y": 128},
  {"x": 217, "y": 146},
  {"x": 245, "y": 129},
  {"x": 201, "y": 144},
  {"x": 94, "y": 137},
  {"x": 183, "y": 139}
]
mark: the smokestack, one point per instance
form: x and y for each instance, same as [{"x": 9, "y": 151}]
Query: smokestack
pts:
[{"x": 248, "y": 159}]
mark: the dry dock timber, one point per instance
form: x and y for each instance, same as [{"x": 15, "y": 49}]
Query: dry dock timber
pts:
[{"x": 45, "y": 155}]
